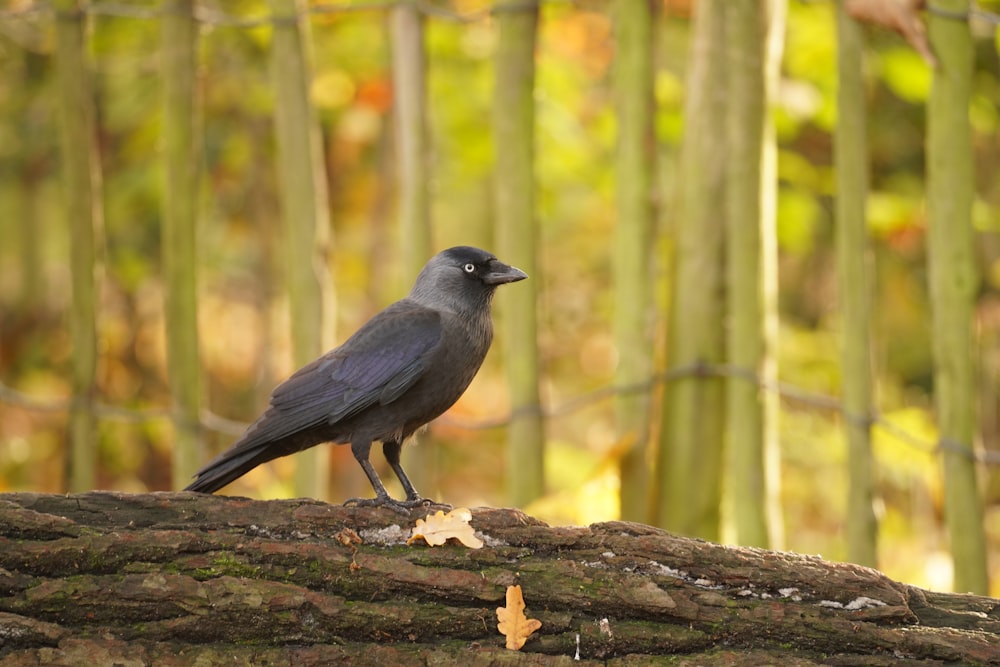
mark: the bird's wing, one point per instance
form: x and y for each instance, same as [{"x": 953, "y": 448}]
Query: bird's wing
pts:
[{"x": 376, "y": 365}]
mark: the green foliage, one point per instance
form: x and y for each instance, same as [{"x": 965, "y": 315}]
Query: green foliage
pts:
[{"x": 905, "y": 74}]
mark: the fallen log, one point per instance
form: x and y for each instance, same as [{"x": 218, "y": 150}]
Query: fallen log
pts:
[{"x": 182, "y": 578}]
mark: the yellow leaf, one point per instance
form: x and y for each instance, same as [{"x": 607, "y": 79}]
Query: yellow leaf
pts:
[
  {"x": 514, "y": 625},
  {"x": 439, "y": 527}
]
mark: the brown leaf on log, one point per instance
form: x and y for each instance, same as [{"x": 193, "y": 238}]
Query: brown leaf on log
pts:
[
  {"x": 436, "y": 529},
  {"x": 511, "y": 621}
]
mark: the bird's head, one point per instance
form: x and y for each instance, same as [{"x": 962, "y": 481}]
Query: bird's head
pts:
[{"x": 462, "y": 278}]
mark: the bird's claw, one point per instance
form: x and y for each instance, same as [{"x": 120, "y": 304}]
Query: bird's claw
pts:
[
  {"x": 432, "y": 504},
  {"x": 399, "y": 506}
]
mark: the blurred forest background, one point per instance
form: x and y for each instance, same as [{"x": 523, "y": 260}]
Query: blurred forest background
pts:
[{"x": 389, "y": 196}]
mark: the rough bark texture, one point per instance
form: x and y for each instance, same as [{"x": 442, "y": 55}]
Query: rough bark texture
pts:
[{"x": 179, "y": 578}]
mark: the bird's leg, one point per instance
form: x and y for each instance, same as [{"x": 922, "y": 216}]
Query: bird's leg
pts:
[
  {"x": 392, "y": 449},
  {"x": 361, "y": 449}
]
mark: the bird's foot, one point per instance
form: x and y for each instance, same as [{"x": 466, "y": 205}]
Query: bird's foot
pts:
[
  {"x": 399, "y": 506},
  {"x": 433, "y": 504}
]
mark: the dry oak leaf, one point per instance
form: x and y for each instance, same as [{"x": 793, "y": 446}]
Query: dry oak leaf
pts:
[
  {"x": 348, "y": 537},
  {"x": 439, "y": 527},
  {"x": 514, "y": 625}
]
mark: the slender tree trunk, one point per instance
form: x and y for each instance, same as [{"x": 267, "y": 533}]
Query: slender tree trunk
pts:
[
  {"x": 306, "y": 213},
  {"x": 633, "y": 24},
  {"x": 412, "y": 148},
  {"x": 953, "y": 285},
  {"x": 746, "y": 226},
  {"x": 84, "y": 217},
  {"x": 409, "y": 80},
  {"x": 773, "y": 54},
  {"x": 691, "y": 453},
  {"x": 514, "y": 135},
  {"x": 179, "y": 235},
  {"x": 855, "y": 289}
]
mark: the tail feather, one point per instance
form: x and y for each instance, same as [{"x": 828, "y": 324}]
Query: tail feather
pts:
[
  {"x": 258, "y": 445},
  {"x": 229, "y": 466}
]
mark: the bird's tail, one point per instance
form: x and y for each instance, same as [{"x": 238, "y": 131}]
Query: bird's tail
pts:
[
  {"x": 226, "y": 467},
  {"x": 265, "y": 440}
]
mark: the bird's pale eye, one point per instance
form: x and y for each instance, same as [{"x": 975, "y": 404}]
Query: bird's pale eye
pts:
[{"x": 469, "y": 268}]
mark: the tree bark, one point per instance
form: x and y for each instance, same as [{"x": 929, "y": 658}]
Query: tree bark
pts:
[
  {"x": 749, "y": 435},
  {"x": 183, "y": 578},
  {"x": 854, "y": 288},
  {"x": 632, "y": 257},
  {"x": 690, "y": 459},
  {"x": 84, "y": 219},
  {"x": 179, "y": 206},
  {"x": 306, "y": 212},
  {"x": 954, "y": 285},
  {"x": 517, "y": 243},
  {"x": 413, "y": 174}
]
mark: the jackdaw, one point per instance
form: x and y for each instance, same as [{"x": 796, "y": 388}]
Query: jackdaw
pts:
[{"x": 403, "y": 368}]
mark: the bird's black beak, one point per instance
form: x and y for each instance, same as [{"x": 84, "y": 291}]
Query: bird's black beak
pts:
[{"x": 501, "y": 273}]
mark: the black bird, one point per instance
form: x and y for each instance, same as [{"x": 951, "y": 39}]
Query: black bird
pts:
[{"x": 403, "y": 368}]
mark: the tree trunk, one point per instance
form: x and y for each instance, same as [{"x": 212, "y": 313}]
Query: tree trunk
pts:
[
  {"x": 517, "y": 233},
  {"x": 634, "y": 104},
  {"x": 690, "y": 457},
  {"x": 854, "y": 288},
  {"x": 179, "y": 45},
  {"x": 306, "y": 214},
  {"x": 750, "y": 435},
  {"x": 84, "y": 221},
  {"x": 413, "y": 173},
  {"x": 181, "y": 578},
  {"x": 953, "y": 285}
]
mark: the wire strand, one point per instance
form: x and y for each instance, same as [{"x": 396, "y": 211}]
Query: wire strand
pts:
[
  {"x": 975, "y": 12},
  {"x": 222, "y": 19},
  {"x": 786, "y": 391}
]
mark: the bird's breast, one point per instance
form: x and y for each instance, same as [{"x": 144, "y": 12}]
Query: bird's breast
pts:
[{"x": 462, "y": 350}]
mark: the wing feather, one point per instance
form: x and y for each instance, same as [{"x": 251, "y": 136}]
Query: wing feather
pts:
[{"x": 376, "y": 365}]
